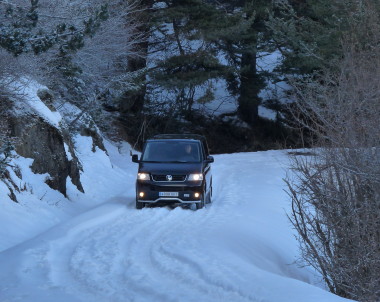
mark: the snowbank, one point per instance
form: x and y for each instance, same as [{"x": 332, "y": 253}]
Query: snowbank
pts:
[{"x": 41, "y": 207}]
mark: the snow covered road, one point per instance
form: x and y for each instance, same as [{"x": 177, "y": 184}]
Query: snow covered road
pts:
[{"x": 239, "y": 248}]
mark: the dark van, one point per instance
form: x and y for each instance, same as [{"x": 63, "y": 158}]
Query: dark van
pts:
[{"x": 174, "y": 169}]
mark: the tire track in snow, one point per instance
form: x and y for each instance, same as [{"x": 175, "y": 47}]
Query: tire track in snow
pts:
[
  {"x": 137, "y": 245},
  {"x": 88, "y": 251},
  {"x": 194, "y": 279},
  {"x": 219, "y": 288},
  {"x": 145, "y": 251},
  {"x": 133, "y": 256},
  {"x": 213, "y": 286},
  {"x": 114, "y": 284}
]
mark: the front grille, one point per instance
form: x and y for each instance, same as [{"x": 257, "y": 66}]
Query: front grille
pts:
[{"x": 157, "y": 177}]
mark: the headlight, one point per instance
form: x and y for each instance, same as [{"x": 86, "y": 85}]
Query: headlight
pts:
[
  {"x": 196, "y": 177},
  {"x": 143, "y": 176}
]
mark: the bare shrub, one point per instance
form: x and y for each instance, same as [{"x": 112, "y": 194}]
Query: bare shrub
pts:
[
  {"x": 336, "y": 194},
  {"x": 102, "y": 60},
  {"x": 336, "y": 211},
  {"x": 91, "y": 77}
]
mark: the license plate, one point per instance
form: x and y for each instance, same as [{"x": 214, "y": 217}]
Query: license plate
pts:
[{"x": 168, "y": 194}]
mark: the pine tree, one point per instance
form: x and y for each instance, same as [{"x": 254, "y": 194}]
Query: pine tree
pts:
[
  {"x": 250, "y": 43},
  {"x": 309, "y": 32},
  {"x": 198, "y": 34},
  {"x": 184, "y": 31}
]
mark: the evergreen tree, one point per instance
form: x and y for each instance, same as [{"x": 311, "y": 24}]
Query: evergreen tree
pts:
[
  {"x": 202, "y": 41},
  {"x": 309, "y": 33},
  {"x": 250, "y": 42},
  {"x": 184, "y": 31}
]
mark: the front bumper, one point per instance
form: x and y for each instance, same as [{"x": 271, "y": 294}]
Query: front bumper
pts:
[
  {"x": 168, "y": 199},
  {"x": 186, "y": 192}
]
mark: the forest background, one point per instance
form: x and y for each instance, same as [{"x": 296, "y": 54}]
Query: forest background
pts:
[{"x": 219, "y": 68}]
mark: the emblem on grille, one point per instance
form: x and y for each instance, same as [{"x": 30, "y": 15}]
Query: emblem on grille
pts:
[{"x": 169, "y": 177}]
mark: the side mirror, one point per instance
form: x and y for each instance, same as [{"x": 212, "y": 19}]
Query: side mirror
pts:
[
  {"x": 210, "y": 159},
  {"x": 135, "y": 158}
]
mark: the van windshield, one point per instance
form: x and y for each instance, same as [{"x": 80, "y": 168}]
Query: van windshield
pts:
[{"x": 171, "y": 151}]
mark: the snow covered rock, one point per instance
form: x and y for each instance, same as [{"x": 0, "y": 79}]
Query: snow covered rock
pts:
[
  {"x": 45, "y": 143},
  {"x": 40, "y": 133}
]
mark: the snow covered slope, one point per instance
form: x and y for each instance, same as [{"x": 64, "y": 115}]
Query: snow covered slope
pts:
[
  {"x": 239, "y": 248},
  {"x": 38, "y": 206}
]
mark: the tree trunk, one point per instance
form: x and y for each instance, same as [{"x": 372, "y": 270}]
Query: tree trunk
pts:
[
  {"x": 249, "y": 100},
  {"x": 135, "y": 100},
  {"x": 250, "y": 81}
]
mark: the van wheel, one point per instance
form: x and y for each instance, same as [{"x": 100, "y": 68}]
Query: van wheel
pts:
[
  {"x": 200, "y": 205},
  {"x": 209, "y": 200},
  {"x": 209, "y": 195},
  {"x": 139, "y": 205}
]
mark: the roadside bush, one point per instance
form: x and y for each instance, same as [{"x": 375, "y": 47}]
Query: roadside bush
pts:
[{"x": 336, "y": 194}]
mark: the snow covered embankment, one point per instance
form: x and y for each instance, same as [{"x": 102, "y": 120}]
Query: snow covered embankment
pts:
[
  {"x": 240, "y": 248},
  {"x": 56, "y": 162}
]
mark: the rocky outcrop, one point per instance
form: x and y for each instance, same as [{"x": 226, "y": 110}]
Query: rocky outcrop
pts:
[
  {"x": 39, "y": 140},
  {"x": 42, "y": 128},
  {"x": 97, "y": 140}
]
